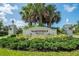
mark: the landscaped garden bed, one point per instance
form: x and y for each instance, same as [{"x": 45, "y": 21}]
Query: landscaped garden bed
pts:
[{"x": 40, "y": 44}]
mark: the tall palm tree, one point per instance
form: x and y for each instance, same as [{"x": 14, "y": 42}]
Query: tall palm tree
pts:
[
  {"x": 51, "y": 15},
  {"x": 27, "y": 13},
  {"x": 40, "y": 13},
  {"x": 32, "y": 11},
  {"x": 39, "y": 9}
]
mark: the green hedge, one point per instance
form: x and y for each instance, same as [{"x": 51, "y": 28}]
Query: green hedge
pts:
[
  {"x": 40, "y": 44},
  {"x": 54, "y": 44},
  {"x": 3, "y": 33},
  {"x": 13, "y": 43}
]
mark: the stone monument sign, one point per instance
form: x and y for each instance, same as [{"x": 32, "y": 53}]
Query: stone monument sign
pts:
[{"x": 39, "y": 31}]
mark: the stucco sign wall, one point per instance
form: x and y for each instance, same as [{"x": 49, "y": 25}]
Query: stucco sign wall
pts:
[{"x": 39, "y": 31}]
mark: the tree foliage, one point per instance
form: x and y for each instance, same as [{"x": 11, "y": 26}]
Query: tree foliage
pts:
[
  {"x": 40, "y": 13},
  {"x": 1, "y": 24}
]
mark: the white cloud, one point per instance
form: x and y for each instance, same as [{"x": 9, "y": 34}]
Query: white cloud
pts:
[
  {"x": 20, "y": 23},
  {"x": 15, "y": 7},
  {"x": 67, "y": 20},
  {"x": 4, "y": 19},
  {"x": 2, "y": 14},
  {"x": 70, "y": 8},
  {"x": 6, "y": 9}
]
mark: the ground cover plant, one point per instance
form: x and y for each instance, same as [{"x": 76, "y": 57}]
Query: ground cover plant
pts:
[{"x": 40, "y": 44}]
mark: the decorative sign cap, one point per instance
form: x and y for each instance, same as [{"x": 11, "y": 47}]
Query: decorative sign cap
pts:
[{"x": 13, "y": 21}]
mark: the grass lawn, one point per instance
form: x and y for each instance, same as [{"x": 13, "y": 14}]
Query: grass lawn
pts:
[{"x": 6, "y": 52}]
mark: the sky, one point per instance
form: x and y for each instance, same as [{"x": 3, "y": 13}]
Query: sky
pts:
[{"x": 69, "y": 13}]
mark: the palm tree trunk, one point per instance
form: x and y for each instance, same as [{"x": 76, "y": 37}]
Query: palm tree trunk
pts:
[
  {"x": 49, "y": 24},
  {"x": 40, "y": 21},
  {"x": 30, "y": 23}
]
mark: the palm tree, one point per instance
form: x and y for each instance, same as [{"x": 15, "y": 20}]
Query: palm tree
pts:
[
  {"x": 39, "y": 9},
  {"x": 27, "y": 13},
  {"x": 51, "y": 15},
  {"x": 40, "y": 13},
  {"x": 31, "y": 12}
]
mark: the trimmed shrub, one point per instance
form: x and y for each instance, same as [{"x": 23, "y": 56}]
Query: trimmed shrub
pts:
[
  {"x": 3, "y": 33},
  {"x": 13, "y": 36},
  {"x": 48, "y": 44}
]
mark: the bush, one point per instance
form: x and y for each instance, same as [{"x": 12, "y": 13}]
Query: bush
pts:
[
  {"x": 13, "y": 43},
  {"x": 54, "y": 44},
  {"x": 3, "y": 33},
  {"x": 6, "y": 42},
  {"x": 21, "y": 36},
  {"x": 13, "y": 36},
  {"x": 36, "y": 44},
  {"x": 48, "y": 44},
  {"x": 23, "y": 45}
]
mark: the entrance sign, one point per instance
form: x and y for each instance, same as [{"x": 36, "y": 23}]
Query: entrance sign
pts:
[{"x": 39, "y": 31}]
